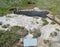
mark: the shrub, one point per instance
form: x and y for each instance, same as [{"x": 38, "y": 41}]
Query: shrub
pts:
[
  {"x": 21, "y": 30},
  {"x": 8, "y": 38},
  {"x": 57, "y": 29},
  {"x": 5, "y": 26},
  {"x": 46, "y": 41},
  {"x": 53, "y": 34},
  {"x": 36, "y": 33},
  {"x": 45, "y": 22},
  {"x": 53, "y": 23}
]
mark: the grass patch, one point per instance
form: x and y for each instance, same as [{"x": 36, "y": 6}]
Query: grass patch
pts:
[
  {"x": 5, "y": 5},
  {"x": 53, "y": 34},
  {"x": 4, "y": 11}
]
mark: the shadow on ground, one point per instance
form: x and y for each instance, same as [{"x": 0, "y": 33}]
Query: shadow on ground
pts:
[{"x": 42, "y": 14}]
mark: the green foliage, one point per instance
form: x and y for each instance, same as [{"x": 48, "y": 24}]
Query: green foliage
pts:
[
  {"x": 15, "y": 28},
  {"x": 11, "y": 36},
  {"x": 5, "y": 26},
  {"x": 1, "y": 32},
  {"x": 4, "y": 11},
  {"x": 5, "y": 5},
  {"x": 53, "y": 34},
  {"x": 53, "y": 23},
  {"x": 57, "y": 29},
  {"x": 51, "y": 5},
  {"x": 45, "y": 22},
  {"x": 20, "y": 30},
  {"x": 36, "y": 33},
  {"x": 46, "y": 41},
  {"x": 9, "y": 3},
  {"x": 8, "y": 38}
]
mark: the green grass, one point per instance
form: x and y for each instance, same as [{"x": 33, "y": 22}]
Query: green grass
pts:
[
  {"x": 51, "y": 5},
  {"x": 5, "y": 5},
  {"x": 4, "y": 11}
]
